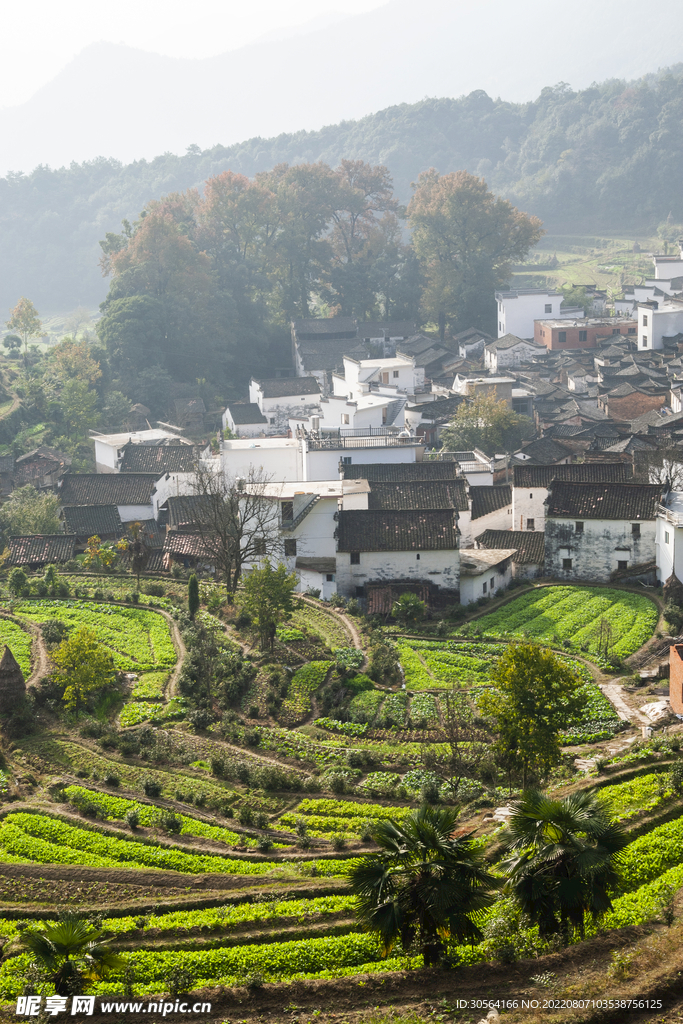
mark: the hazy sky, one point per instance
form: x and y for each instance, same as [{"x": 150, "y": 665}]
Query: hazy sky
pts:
[{"x": 40, "y": 36}]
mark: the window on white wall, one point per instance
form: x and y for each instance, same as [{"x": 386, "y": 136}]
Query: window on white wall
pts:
[
  {"x": 484, "y": 585},
  {"x": 345, "y": 417},
  {"x": 395, "y": 373},
  {"x": 666, "y": 537},
  {"x": 548, "y": 307}
]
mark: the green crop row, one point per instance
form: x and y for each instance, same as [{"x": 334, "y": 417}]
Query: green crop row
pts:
[
  {"x": 115, "y": 808},
  {"x": 626, "y": 799},
  {"x": 305, "y": 682},
  {"x": 347, "y": 809},
  {"x": 137, "y": 638},
  {"x": 19, "y": 642},
  {"x": 416, "y": 675},
  {"x": 229, "y": 917},
  {"x": 313, "y": 619},
  {"x": 150, "y": 686},
  {"x": 577, "y": 614},
  {"x": 649, "y": 856},
  {"x": 44, "y": 840}
]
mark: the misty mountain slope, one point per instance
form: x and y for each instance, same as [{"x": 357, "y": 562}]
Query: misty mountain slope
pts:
[
  {"x": 116, "y": 101},
  {"x": 605, "y": 158}
]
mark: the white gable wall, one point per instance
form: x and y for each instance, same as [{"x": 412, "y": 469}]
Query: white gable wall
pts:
[{"x": 596, "y": 551}]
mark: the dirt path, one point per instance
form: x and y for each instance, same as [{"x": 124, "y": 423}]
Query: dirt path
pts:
[
  {"x": 39, "y": 656},
  {"x": 181, "y": 651},
  {"x": 614, "y": 692}
]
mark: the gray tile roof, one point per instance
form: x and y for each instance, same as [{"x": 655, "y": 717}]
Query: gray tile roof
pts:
[
  {"x": 375, "y": 530},
  {"x": 530, "y": 544},
  {"x": 286, "y": 387},
  {"x": 603, "y": 501},
  {"x": 184, "y": 509},
  {"x": 325, "y": 327},
  {"x": 579, "y": 472},
  {"x": 418, "y": 494},
  {"x": 185, "y": 544},
  {"x": 400, "y": 472},
  {"x": 159, "y": 459},
  {"x": 248, "y": 412},
  {"x": 107, "y": 488},
  {"x": 41, "y": 550},
  {"x": 92, "y": 520},
  {"x": 489, "y": 499}
]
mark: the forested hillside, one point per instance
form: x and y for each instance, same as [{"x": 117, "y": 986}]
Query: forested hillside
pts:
[{"x": 604, "y": 159}]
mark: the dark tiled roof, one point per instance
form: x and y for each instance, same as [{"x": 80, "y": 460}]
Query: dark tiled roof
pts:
[
  {"x": 249, "y": 412},
  {"x": 156, "y": 561},
  {"x": 317, "y": 564},
  {"x": 286, "y": 387},
  {"x": 107, "y": 488},
  {"x": 42, "y": 549},
  {"x": 585, "y": 473},
  {"x": 547, "y": 450},
  {"x": 489, "y": 499},
  {"x": 530, "y": 544},
  {"x": 374, "y": 530},
  {"x": 152, "y": 534},
  {"x": 51, "y": 454},
  {"x": 400, "y": 472},
  {"x": 418, "y": 494},
  {"x": 330, "y": 327},
  {"x": 390, "y": 328},
  {"x": 184, "y": 510},
  {"x": 92, "y": 520},
  {"x": 603, "y": 501},
  {"x": 188, "y": 544},
  {"x": 158, "y": 459}
]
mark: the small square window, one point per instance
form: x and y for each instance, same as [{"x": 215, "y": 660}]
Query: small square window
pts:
[
  {"x": 548, "y": 307},
  {"x": 355, "y": 558},
  {"x": 583, "y": 335},
  {"x": 666, "y": 537},
  {"x": 359, "y": 591},
  {"x": 484, "y": 586},
  {"x": 272, "y": 421},
  {"x": 492, "y": 583},
  {"x": 531, "y": 496},
  {"x": 566, "y": 563},
  {"x": 615, "y": 330},
  {"x": 290, "y": 548},
  {"x": 530, "y": 524},
  {"x": 395, "y": 373},
  {"x": 622, "y": 565},
  {"x": 345, "y": 418},
  {"x": 346, "y": 460},
  {"x": 645, "y": 341},
  {"x": 644, "y": 321},
  {"x": 417, "y": 557},
  {"x": 561, "y": 336},
  {"x": 329, "y": 577},
  {"x": 631, "y": 330},
  {"x": 578, "y": 528},
  {"x": 635, "y": 529},
  {"x": 287, "y": 510}
]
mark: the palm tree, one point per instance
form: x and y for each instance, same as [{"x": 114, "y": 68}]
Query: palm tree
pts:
[
  {"x": 565, "y": 859},
  {"x": 70, "y": 953},
  {"x": 424, "y": 883}
]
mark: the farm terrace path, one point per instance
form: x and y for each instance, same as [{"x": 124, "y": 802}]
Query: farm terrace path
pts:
[
  {"x": 614, "y": 692},
  {"x": 343, "y": 619}
]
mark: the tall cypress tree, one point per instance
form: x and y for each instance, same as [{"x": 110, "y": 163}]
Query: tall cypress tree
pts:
[{"x": 193, "y": 595}]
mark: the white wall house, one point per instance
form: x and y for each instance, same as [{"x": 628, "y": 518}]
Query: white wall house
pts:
[
  {"x": 669, "y": 540},
  {"x": 362, "y": 376},
  {"x": 108, "y": 447},
  {"x": 244, "y": 419},
  {"x": 484, "y": 573},
  {"x": 377, "y": 548},
  {"x": 280, "y": 398},
  {"x": 593, "y": 530},
  {"x": 530, "y": 486},
  {"x": 518, "y": 309},
  {"x": 511, "y": 351},
  {"x": 667, "y": 267},
  {"x": 657, "y": 321},
  {"x": 313, "y": 457},
  {"x": 490, "y": 508}
]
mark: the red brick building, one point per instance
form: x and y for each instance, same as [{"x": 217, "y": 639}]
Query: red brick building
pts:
[
  {"x": 676, "y": 678},
  {"x": 559, "y": 334}
]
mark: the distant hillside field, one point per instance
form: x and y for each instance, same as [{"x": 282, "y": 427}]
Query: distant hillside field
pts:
[{"x": 605, "y": 159}]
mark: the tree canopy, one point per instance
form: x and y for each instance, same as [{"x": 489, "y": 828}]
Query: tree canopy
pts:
[
  {"x": 29, "y": 511},
  {"x": 487, "y": 423},
  {"x": 533, "y": 697}
]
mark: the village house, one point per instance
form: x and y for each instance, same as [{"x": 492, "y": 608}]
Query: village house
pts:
[
  {"x": 594, "y": 530},
  {"x": 658, "y": 322},
  {"x": 382, "y": 553},
  {"x": 280, "y": 398},
  {"x": 86, "y": 521},
  {"x": 471, "y": 343},
  {"x": 244, "y": 419},
  {"x": 484, "y": 573},
  {"x": 510, "y": 351},
  {"x": 36, "y": 551},
  {"x": 530, "y": 486},
  {"x": 43, "y": 468},
  {"x": 131, "y": 493},
  {"x": 488, "y": 508},
  {"x": 528, "y": 561},
  {"x": 110, "y": 448},
  {"x": 580, "y": 333},
  {"x": 519, "y": 309}
]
